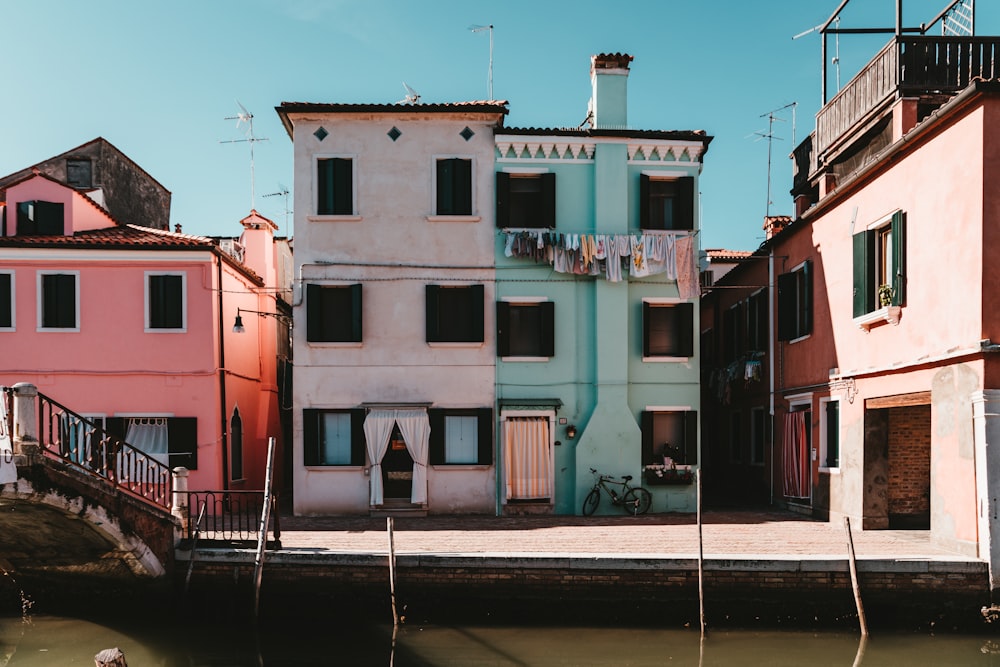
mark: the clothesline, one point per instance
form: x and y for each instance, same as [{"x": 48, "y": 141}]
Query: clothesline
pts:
[{"x": 613, "y": 256}]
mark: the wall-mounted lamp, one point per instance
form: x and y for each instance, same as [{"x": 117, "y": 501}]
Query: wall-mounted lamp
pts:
[
  {"x": 238, "y": 324},
  {"x": 571, "y": 431}
]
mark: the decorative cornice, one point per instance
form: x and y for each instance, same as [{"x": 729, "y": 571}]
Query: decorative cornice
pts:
[{"x": 543, "y": 148}]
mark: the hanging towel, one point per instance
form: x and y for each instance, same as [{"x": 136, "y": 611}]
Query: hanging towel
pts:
[{"x": 687, "y": 268}]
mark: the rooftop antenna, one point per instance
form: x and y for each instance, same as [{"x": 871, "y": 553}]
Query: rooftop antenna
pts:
[
  {"x": 836, "y": 56},
  {"x": 412, "y": 96},
  {"x": 242, "y": 117},
  {"x": 770, "y": 136},
  {"x": 481, "y": 28},
  {"x": 283, "y": 192}
]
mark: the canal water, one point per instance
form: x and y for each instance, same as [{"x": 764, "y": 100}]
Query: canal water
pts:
[{"x": 51, "y": 641}]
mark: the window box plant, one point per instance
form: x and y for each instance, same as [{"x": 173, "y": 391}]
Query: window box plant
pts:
[{"x": 659, "y": 474}]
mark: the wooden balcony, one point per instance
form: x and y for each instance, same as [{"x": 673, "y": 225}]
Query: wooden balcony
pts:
[{"x": 907, "y": 66}]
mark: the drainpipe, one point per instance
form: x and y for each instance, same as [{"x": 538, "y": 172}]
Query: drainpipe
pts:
[
  {"x": 222, "y": 378},
  {"x": 771, "y": 296}
]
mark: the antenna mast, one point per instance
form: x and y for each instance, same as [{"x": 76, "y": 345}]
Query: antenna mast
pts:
[
  {"x": 245, "y": 116},
  {"x": 283, "y": 192},
  {"x": 481, "y": 28},
  {"x": 771, "y": 117}
]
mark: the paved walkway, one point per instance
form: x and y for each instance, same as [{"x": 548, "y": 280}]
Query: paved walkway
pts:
[{"x": 736, "y": 535}]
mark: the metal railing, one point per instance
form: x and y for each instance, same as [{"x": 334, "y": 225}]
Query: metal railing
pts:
[
  {"x": 88, "y": 447},
  {"x": 229, "y": 516}
]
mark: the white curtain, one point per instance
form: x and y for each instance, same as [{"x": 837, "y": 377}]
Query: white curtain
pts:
[
  {"x": 149, "y": 435},
  {"x": 378, "y": 429},
  {"x": 527, "y": 458},
  {"x": 416, "y": 431}
]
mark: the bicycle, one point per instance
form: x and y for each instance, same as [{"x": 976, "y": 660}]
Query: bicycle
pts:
[{"x": 635, "y": 499}]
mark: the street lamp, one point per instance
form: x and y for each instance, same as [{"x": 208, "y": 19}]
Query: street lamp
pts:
[{"x": 238, "y": 327}]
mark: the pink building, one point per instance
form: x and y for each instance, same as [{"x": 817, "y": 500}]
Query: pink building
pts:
[{"x": 132, "y": 327}]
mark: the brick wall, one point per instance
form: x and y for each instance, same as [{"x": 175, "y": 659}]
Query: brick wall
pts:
[{"x": 910, "y": 461}]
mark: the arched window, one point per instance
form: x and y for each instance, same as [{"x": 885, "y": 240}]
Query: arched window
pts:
[{"x": 236, "y": 444}]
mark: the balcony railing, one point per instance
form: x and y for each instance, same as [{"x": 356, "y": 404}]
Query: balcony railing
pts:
[{"x": 907, "y": 66}]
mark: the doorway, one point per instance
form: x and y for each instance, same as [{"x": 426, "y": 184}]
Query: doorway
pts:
[{"x": 397, "y": 469}]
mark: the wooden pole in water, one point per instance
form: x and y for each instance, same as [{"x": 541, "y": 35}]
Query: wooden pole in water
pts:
[
  {"x": 701, "y": 561},
  {"x": 110, "y": 657},
  {"x": 854, "y": 578},
  {"x": 265, "y": 515},
  {"x": 392, "y": 573}
]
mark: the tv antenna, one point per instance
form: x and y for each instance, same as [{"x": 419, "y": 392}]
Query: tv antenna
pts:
[
  {"x": 245, "y": 117},
  {"x": 772, "y": 116},
  {"x": 481, "y": 28},
  {"x": 836, "y": 53},
  {"x": 412, "y": 96},
  {"x": 282, "y": 192}
]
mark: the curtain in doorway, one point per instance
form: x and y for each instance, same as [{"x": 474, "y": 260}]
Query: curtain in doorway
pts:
[
  {"x": 795, "y": 456},
  {"x": 378, "y": 430},
  {"x": 416, "y": 431},
  {"x": 527, "y": 458},
  {"x": 149, "y": 435}
]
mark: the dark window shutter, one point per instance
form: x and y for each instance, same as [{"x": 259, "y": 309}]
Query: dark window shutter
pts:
[
  {"x": 343, "y": 187},
  {"x": 25, "y": 223},
  {"x": 310, "y": 437},
  {"x": 684, "y": 204},
  {"x": 59, "y": 301},
  {"x": 485, "y": 416},
  {"x": 435, "y": 443},
  {"x": 787, "y": 315},
  {"x": 166, "y": 302},
  {"x": 864, "y": 262},
  {"x": 358, "y": 444},
  {"x": 6, "y": 301},
  {"x": 463, "y": 187},
  {"x": 690, "y": 438},
  {"x": 49, "y": 218},
  {"x": 445, "y": 187},
  {"x": 647, "y": 327},
  {"x": 899, "y": 258},
  {"x": 432, "y": 296},
  {"x": 503, "y": 199},
  {"x": 314, "y": 312},
  {"x": 548, "y": 328},
  {"x": 806, "y": 302},
  {"x": 182, "y": 442},
  {"x": 355, "y": 291},
  {"x": 646, "y": 426},
  {"x": 644, "y": 201},
  {"x": 115, "y": 426},
  {"x": 324, "y": 187},
  {"x": 477, "y": 314},
  {"x": 503, "y": 329},
  {"x": 685, "y": 333},
  {"x": 547, "y": 213}
]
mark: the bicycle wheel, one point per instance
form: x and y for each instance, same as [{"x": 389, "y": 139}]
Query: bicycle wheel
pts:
[
  {"x": 591, "y": 501},
  {"x": 637, "y": 501}
]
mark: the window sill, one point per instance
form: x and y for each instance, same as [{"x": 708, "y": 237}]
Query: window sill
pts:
[
  {"x": 460, "y": 466},
  {"x": 334, "y": 218},
  {"x": 341, "y": 467},
  {"x": 524, "y": 359},
  {"x": 454, "y": 218},
  {"x": 334, "y": 343},
  {"x": 888, "y": 314},
  {"x": 666, "y": 360},
  {"x": 57, "y": 330},
  {"x": 464, "y": 344},
  {"x": 159, "y": 330},
  {"x": 831, "y": 471}
]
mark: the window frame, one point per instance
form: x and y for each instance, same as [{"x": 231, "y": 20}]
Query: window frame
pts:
[
  {"x": 40, "y": 216},
  {"x": 178, "y": 429},
  {"x": 74, "y": 164},
  {"x": 872, "y": 257},
  {"x": 437, "y": 442},
  {"x": 10, "y": 300},
  {"x": 678, "y": 188},
  {"x": 824, "y": 435},
  {"x": 40, "y": 276},
  {"x": 440, "y": 328},
  {"x": 684, "y": 335},
  {"x": 237, "y": 471},
  {"x": 543, "y": 214},
  {"x": 148, "y": 302},
  {"x": 444, "y": 216},
  {"x": 650, "y": 451},
  {"x": 312, "y": 438},
  {"x": 319, "y": 331},
  {"x": 757, "y": 321},
  {"x": 318, "y": 189},
  {"x": 795, "y": 295},
  {"x": 545, "y": 333}
]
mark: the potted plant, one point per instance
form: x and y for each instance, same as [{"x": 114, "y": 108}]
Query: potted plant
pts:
[{"x": 885, "y": 295}]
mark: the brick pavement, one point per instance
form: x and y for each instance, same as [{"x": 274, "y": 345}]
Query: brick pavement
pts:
[{"x": 726, "y": 535}]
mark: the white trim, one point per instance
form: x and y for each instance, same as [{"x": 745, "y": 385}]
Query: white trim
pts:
[
  {"x": 664, "y": 175},
  {"x": 799, "y": 399},
  {"x": 664, "y": 300},
  {"x": 13, "y": 299},
  {"x": 106, "y": 255},
  {"x": 145, "y": 308},
  {"x": 454, "y": 218},
  {"x": 661, "y": 360},
  {"x": 39, "y": 313},
  {"x": 883, "y": 221},
  {"x": 525, "y": 171},
  {"x": 456, "y": 344},
  {"x": 798, "y": 266},
  {"x": 473, "y": 166},
  {"x": 822, "y": 433},
  {"x": 799, "y": 339},
  {"x": 316, "y": 157},
  {"x": 524, "y": 359},
  {"x": 151, "y": 415},
  {"x": 668, "y": 408},
  {"x": 501, "y": 453},
  {"x": 525, "y": 299},
  {"x": 334, "y": 218}
]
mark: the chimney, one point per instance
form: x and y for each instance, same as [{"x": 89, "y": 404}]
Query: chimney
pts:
[
  {"x": 258, "y": 244},
  {"x": 609, "y": 99},
  {"x": 774, "y": 224}
]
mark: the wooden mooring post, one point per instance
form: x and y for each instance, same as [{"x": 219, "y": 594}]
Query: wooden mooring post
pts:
[
  {"x": 392, "y": 573},
  {"x": 854, "y": 579},
  {"x": 701, "y": 560}
]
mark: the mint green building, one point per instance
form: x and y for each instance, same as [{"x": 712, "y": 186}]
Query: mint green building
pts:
[{"x": 597, "y": 306}]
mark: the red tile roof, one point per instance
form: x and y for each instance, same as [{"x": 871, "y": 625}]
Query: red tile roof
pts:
[{"x": 119, "y": 237}]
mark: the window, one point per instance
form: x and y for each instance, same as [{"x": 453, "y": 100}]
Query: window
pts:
[
  {"x": 79, "y": 173},
  {"x": 795, "y": 302},
  {"x": 165, "y": 299},
  {"x": 333, "y": 313},
  {"x": 334, "y": 186},
  {"x": 879, "y": 259},
  {"x": 672, "y": 433},
  {"x": 455, "y": 314},
  {"x": 236, "y": 445},
  {"x": 333, "y": 437},
  {"x": 461, "y": 437},
  {"x": 757, "y": 324},
  {"x": 181, "y": 444},
  {"x": 735, "y": 438},
  {"x": 454, "y": 186},
  {"x": 666, "y": 203},
  {"x": 7, "y": 309},
  {"x": 526, "y": 200},
  {"x": 830, "y": 433},
  {"x": 732, "y": 330},
  {"x": 39, "y": 218},
  {"x": 526, "y": 329},
  {"x": 667, "y": 329},
  {"x": 58, "y": 300},
  {"x": 758, "y": 435}
]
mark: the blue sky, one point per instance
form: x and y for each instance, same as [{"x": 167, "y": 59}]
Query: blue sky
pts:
[{"x": 158, "y": 79}]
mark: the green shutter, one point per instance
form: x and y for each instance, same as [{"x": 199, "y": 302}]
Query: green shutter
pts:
[
  {"x": 445, "y": 187},
  {"x": 647, "y": 312},
  {"x": 685, "y": 334},
  {"x": 899, "y": 258},
  {"x": 684, "y": 204},
  {"x": 343, "y": 186},
  {"x": 644, "y": 201},
  {"x": 787, "y": 316},
  {"x": 462, "y": 187},
  {"x": 486, "y": 423},
  {"x": 864, "y": 273},
  {"x": 477, "y": 316},
  {"x": 314, "y": 312},
  {"x": 548, "y": 328},
  {"x": 49, "y": 218},
  {"x": 691, "y": 437},
  {"x": 503, "y": 329},
  {"x": 806, "y": 299},
  {"x": 503, "y": 199},
  {"x": 433, "y": 328},
  {"x": 356, "y": 336},
  {"x": 310, "y": 437},
  {"x": 358, "y": 443},
  {"x": 547, "y": 213},
  {"x": 435, "y": 442},
  {"x": 324, "y": 187}
]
